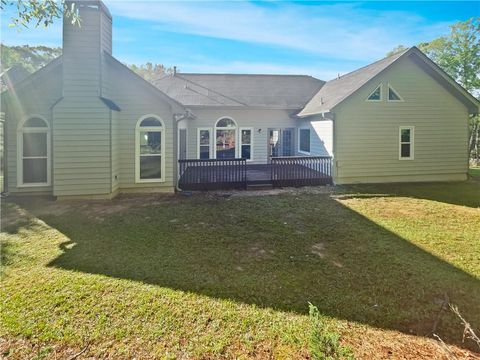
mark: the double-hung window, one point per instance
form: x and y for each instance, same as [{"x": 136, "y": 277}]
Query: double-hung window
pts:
[
  {"x": 33, "y": 143},
  {"x": 150, "y": 150},
  {"x": 406, "y": 142},
  {"x": 246, "y": 142},
  {"x": 204, "y": 141}
]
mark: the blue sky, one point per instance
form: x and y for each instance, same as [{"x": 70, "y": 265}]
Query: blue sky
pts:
[{"x": 315, "y": 38}]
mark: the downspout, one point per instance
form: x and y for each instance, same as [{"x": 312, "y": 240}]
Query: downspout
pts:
[
  {"x": 52, "y": 142},
  {"x": 175, "y": 151},
  {"x": 5, "y": 151},
  {"x": 177, "y": 118},
  {"x": 334, "y": 149},
  {"x": 111, "y": 151}
]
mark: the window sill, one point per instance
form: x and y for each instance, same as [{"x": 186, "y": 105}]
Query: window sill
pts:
[
  {"x": 401, "y": 159},
  {"x": 303, "y": 152},
  {"x": 33, "y": 185},
  {"x": 149, "y": 181}
]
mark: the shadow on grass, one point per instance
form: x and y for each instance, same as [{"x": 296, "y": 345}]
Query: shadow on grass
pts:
[
  {"x": 276, "y": 251},
  {"x": 465, "y": 193}
]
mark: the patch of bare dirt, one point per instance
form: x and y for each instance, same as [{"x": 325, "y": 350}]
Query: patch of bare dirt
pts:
[
  {"x": 19, "y": 207},
  {"x": 284, "y": 191},
  {"x": 375, "y": 344},
  {"x": 11, "y": 213},
  {"x": 371, "y": 344},
  {"x": 259, "y": 252},
  {"x": 319, "y": 250}
]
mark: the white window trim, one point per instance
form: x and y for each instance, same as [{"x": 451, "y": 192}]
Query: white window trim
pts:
[
  {"x": 162, "y": 131},
  {"x": 210, "y": 149},
  {"x": 241, "y": 143},
  {"x": 298, "y": 142},
  {"x": 20, "y": 131},
  {"x": 412, "y": 142},
  {"x": 381, "y": 94},
  {"x": 396, "y": 92},
  {"x": 224, "y": 128}
]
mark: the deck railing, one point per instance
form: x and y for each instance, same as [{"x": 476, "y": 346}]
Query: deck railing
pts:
[
  {"x": 301, "y": 171},
  {"x": 212, "y": 174}
]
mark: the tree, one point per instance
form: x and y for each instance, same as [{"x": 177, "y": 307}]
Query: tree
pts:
[
  {"x": 151, "y": 71},
  {"x": 31, "y": 58},
  {"x": 40, "y": 12},
  {"x": 397, "y": 49},
  {"x": 458, "y": 54}
]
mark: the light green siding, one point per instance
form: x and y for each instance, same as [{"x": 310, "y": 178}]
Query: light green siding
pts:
[
  {"x": 33, "y": 97},
  {"x": 136, "y": 99},
  {"x": 258, "y": 119},
  {"x": 82, "y": 144},
  {"x": 367, "y": 133},
  {"x": 81, "y": 148}
]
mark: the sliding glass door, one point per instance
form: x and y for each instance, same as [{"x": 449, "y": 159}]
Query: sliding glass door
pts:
[{"x": 280, "y": 142}]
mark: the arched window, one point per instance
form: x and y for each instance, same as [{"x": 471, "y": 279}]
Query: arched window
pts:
[
  {"x": 150, "y": 150},
  {"x": 33, "y": 149},
  {"x": 226, "y": 138}
]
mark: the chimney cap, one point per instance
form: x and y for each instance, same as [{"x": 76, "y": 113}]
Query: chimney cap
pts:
[{"x": 91, "y": 3}]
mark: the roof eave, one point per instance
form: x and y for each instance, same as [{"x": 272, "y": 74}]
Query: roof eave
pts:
[
  {"x": 234, "y": 107},
  {"x": 322, "y": 113}
]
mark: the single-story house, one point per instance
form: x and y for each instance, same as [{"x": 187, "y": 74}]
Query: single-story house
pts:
[{"x": 86, "y": 125}]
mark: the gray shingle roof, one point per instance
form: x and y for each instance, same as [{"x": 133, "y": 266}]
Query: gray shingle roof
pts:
[
  {"x": 277, "y": 91},
  {"x": 13, "y": 75},
  {"x": 337, "y": 90}
]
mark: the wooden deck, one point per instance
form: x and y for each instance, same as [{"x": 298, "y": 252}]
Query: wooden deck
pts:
[{"x": 237, "y": 174}]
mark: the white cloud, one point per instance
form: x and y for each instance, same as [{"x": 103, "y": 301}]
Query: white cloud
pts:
[{"x": 339, "y": 30}]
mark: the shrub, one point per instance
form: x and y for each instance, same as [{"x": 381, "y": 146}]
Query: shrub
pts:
[{"x": 325, "y": 342}]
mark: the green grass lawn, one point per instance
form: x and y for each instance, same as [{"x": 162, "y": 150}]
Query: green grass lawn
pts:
[
  {"x": 231, "y": 277},
  {"x": 474, "y": 171}
]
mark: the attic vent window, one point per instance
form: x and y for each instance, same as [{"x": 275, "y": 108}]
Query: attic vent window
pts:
[
  {"x": 393, "y": 95},
  {"x": 376, "y": 95}
]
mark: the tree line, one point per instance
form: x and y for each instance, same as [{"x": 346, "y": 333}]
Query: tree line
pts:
[{"x": 32, "y": 58}]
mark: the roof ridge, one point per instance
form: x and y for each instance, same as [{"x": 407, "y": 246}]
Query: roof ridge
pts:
[
  {"x": 382, "y": 63},
  {"x": 249, "y": 74},
  {"x": 399, "y": 54},
  {"x": 213, "y": 91}
]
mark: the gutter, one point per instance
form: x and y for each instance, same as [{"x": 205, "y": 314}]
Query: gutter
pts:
[
  {"x": 327, "y": 114},
  {"x": 187, "y": 115},
  {"x": 178, "y": 117}
]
